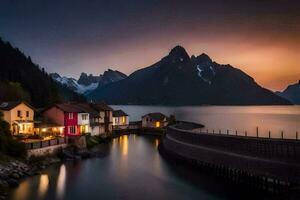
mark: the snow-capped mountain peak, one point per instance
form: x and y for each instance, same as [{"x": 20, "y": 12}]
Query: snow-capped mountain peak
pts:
[{"x": 87, "y": 83}]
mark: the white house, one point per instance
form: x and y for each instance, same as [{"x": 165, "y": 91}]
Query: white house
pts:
[
  {"x": 120, "y": 119},
  {"x": 154, "y": 120}
]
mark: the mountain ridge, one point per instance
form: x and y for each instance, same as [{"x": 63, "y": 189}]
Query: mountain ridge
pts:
[
  {"x": 87, "y": 83},
  {"x": 291, "y": 93},
  {"x": 178, "y": 79}
]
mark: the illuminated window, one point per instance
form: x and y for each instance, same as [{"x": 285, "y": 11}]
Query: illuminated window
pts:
[
  {"x": 70, "y": 115},
  {"x": 157, "y": 124},
  {"x": 123, "y": 119}
]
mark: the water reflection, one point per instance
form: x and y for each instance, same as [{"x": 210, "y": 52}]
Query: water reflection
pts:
[
  {"x": 156, "y": 143},
  {"x": 61, "y": 182},
  {"x": 22, "y": 191},
  {"x": 43, "y": 186},
  {"x": 124, "y": 144}
]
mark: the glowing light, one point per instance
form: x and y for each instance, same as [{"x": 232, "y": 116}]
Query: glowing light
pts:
[
  {"x": 157, "y": 124},
  {"x": 123, "y": 119},
  {"x": 44, "y": 129},
  {"x": 156, "y": 143},
  {"x": 125, "y": 145},
  {"x": 61, "y": 182},
  {"x": 44, "y": 184}
]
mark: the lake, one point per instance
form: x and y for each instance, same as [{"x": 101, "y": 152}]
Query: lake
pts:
[
  {"x": 132, "y": 168},
  {"x": 275, "y": 119}
]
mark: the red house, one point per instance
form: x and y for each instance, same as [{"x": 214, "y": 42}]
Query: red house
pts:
[{"x": 67, "y": 115}]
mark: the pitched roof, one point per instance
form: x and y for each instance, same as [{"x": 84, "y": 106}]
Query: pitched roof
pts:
[
  {"x": 101, "y": 107},
  {"x": 70, "y": 107},
  {"x": 119, "y": 113},
  {"x": 156, "y": 116},
  {"x": 12, "y": 104}
]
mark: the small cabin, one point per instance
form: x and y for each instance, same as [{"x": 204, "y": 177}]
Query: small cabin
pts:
[
  {"x": 120, "y": 119},
  {"x": 154, "y": 120}
]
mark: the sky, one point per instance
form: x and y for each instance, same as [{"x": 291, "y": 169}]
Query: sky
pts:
[{"x": 260, "y": 37}]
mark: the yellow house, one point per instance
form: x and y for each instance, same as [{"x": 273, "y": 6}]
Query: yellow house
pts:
[{"x": 19, "y": 115}]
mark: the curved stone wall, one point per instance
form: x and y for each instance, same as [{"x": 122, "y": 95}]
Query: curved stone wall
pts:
[{"x": 269, "y": 158}]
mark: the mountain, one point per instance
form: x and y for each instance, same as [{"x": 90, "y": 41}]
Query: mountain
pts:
[
  {"x": 292, "y": 93},
  {"x": 21, "y": 79},
  {"x": 87, "y": 83},
  {"x": 178, "y": 79}
]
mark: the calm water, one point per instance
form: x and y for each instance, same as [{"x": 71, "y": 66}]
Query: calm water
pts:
[
  {"x": 131, "y": 169},
  {"x": 233, "y": 118}
]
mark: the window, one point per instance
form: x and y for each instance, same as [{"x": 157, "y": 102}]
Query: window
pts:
[
  {"x": 27, "y": 113},
  {"x": 19, "y": 113},
  {"x": 84, "y": 116},
  {"x": 72, "y": 129},
  {"x": 123, "y": 119},
  {"x": 70, "y": 115},
  {"x": 157, "y": 124}
]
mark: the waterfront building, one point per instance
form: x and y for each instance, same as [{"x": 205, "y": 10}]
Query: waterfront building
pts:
[
  {"x": 154, "y": 120},
  {"x": 73, "y": 117},
  {"x": 102, "y": 122},
  {"x": 120, "y": 119},
  {"x": 19, "y": 115}
]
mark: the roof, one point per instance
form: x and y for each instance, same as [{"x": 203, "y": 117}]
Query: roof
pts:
[
  {"x": 119, "y": 113},
  {"x": 12, "y": 104},
  {"x": 70, "y": 107},
  {"x": 101, "y": 107},
  {"x": 156, "y": 116}
]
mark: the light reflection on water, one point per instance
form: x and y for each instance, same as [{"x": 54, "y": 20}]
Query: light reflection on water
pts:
[
  {"x": 61, "y": 182},
  {"x": 43, "y": 186},
  {"x": 131, "y": 169}
]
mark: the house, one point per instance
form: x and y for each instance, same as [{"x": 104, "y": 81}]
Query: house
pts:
[
  {"x": 73, "y": 117},
  {"x": 47, "y": 128},
  {"x": 120, "y": 119},
  {"x": 20, "y": 116},
  {"x": 154, "y": 120},
  {"x": 102, "y": 122}
]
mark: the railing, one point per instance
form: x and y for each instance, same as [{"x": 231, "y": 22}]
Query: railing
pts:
[
  {"x": 252, "y": 134},
  {"x": 286, "y": 149},
  {"x": 45, "y": 143}
]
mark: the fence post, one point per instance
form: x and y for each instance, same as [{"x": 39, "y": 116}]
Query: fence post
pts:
[
  {"x": 220, "y": 132},
  {"x": 297, "y": 135},
  {"x": 213, "y": 131},
  {"x": 269, "y": 134},
  {"x": 257, "y": 132},
  {"x": 236, "y": 132},
  {"x": 246, "y": 133},
  {"x": 281, "y": 134},
  {"x": 227, "y": 132}
]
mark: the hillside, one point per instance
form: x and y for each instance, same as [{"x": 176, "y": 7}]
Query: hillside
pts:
[{"x": 20, "y": 78}]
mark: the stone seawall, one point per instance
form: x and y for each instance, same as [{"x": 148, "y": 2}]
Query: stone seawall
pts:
[{"x": 271, "y": 160}]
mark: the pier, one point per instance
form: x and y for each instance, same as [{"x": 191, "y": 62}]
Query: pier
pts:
[{"x": 265, "y": 163}]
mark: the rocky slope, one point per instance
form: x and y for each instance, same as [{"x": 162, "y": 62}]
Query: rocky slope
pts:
[{"x": 87, "y": 83}]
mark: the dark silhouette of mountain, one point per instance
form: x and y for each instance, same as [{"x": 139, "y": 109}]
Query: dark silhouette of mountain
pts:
[
  {"x": 21, "y": 79},
  {"x": 292, "y": 93},
  {"x": 108, "y": 76},
  {"x": 87, "y": 83},
  {"x": 179, "y": 79}
]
